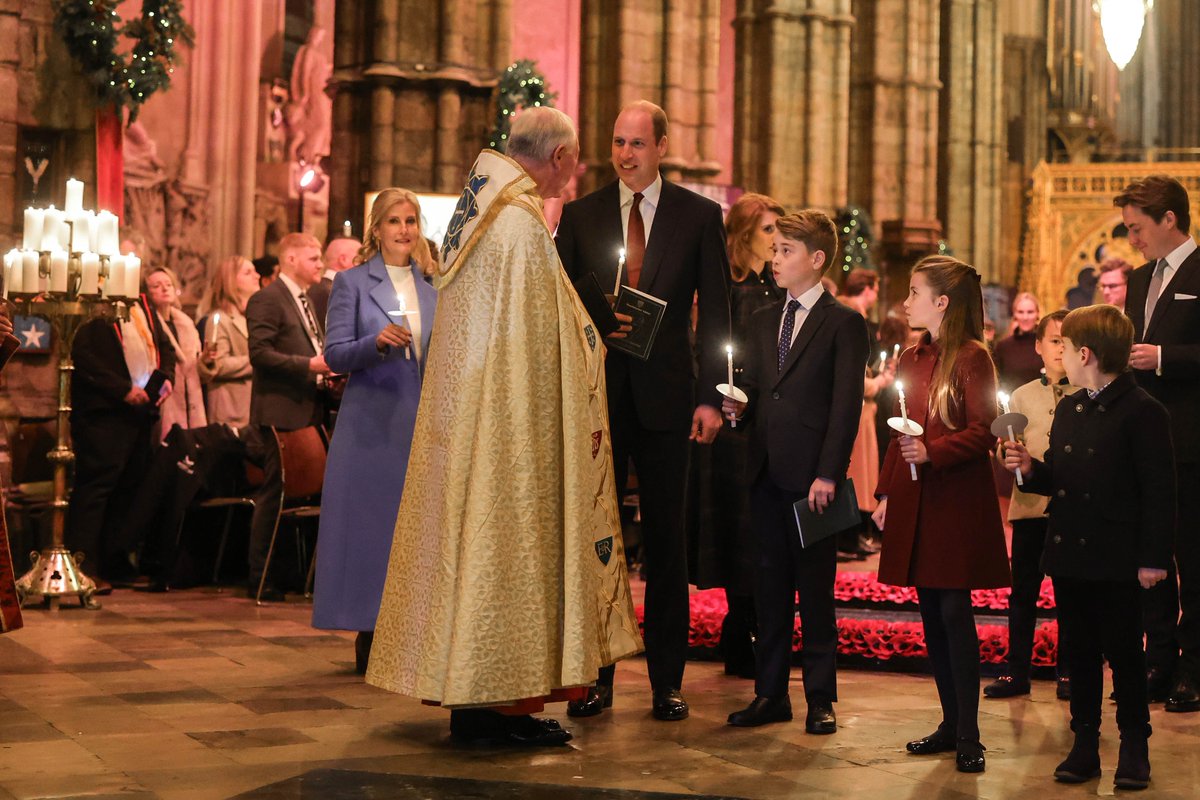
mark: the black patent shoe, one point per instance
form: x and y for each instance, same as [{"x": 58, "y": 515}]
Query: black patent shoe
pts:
[
  {"x": 820, "y": 719},
  {"x": 940, "y": 741},
  {"x": 598, "y": 698},
  {"x": 487, "y": 727},
  {"x": 1006, "y": 686},
  {"x": 530, "y": 731},
  {"x": 1184, "y": 696},
  {"x": 969, "y": 757},
  {"x": 669, "y": 705},
  {"x": 763, "y": 711}
]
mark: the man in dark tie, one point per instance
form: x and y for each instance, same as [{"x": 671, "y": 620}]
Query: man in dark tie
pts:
[
  {"x": 1162, "y": 303},
  {"x": 674, "y": 242},
  {"x": 286, "y": 343}
]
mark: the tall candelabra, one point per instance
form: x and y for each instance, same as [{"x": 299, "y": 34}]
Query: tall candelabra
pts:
[{"x": 68, "y": 271}]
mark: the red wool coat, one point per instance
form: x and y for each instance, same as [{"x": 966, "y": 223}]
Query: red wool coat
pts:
[{"x": 943, "y": 531}]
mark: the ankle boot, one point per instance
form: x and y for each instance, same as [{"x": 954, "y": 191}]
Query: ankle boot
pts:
[
  {"x": 1133, "y": 763},
  {"x": 1083, "y": 762}
]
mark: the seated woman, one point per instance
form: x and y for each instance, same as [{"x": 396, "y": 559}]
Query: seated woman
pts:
[
  {"x": 225, "y": 363},
  {"x": 185, "y": 405},
  {"x": 377, "y": 332}
]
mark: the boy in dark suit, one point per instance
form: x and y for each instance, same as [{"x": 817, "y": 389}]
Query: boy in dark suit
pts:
[
  {"x": 804, "y": 377},
  {"x": 1110, "y": 475}
]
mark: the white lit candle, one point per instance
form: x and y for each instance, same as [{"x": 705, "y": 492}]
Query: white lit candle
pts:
[
  {"x": 74, "y": 203},
  {"x": 347, "y": 231},
  {"x": 51, "y": 220},
  {"x": 90, "y": 282},
  {"x": 58, "y": 271},
  {"x": 729, "y": 358},
  {"x": 882, "y": 359},
  {"x": 33, "y": 228},
  {"x": 29, "y": 271},
  {"x": 903, "y": 405},
  {"x": 620, "y": 269},
  {"x": 116, "y": 277},
  {"x": 895, "y": 351},
  {"x": 1003, "y": 398},
  {"x": 212, "y": 329},
  {"x": 404, "y": 313},
  {"x": 133, "y": 276},
  {"x": 107, "y": 239}
]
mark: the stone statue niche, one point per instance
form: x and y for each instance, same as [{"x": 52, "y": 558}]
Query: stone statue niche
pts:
[{"x": 310, "y": 116}]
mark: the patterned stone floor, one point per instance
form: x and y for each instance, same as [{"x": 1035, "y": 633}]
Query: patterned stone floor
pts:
[{"x": 200, "y": 694}]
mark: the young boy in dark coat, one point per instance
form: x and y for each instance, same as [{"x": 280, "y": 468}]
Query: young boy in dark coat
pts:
[
  {"x": 804, "y": 376},
  {"x": 1110, "y": 476}
]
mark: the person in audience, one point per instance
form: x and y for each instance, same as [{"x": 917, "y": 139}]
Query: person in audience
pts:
[
  {"x": 286, "y": 355},
  {"x": 719, "y": 528},
  {"x": 1162, "y": 304},
  {"x": 382, "y": 351},
  {"x": 942, "y": 532},
  {"x": 185, "y": 406},
  {"x": 112, "y": 423},
  {"x": 1038, "y": 401},
  {"x": 1017, "y": 361},
  {"x": 225, "y": 360},
  {"x": 1114, "y": 280},
  {"x": 267, "y": 268},
  {"x": 340, "y": 255},
  {"x": 1107, "y": 533},
  {"x": 860, "y": 292},
  {"x": 804, "y": 378}
]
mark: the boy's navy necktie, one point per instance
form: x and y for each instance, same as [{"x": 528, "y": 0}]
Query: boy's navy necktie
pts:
[{"x": 785, "y": 335}]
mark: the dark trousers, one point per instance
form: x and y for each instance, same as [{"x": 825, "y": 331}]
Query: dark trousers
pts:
[
  {"x": 262, "y": 451},
  {"x": 1028, "y": 541},
  {"x": 661, "y": 461},
  {"x": 112, "y": 450},
  {"x": 953, "y": 645},
  {"x": 1104, "y": 621},
  {"x": 781, "y": 568},
  {"x": 1172, "y": 636}
]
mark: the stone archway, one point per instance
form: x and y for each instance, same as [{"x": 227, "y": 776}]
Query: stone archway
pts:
[{"x": 1071, "y": 213}]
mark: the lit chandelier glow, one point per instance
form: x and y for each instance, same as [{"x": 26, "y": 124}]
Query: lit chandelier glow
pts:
[{"x": 1122, "y": 22}]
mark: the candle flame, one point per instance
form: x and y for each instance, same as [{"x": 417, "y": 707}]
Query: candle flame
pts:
[
  {"x": 403, "y": 305},
  {"x": 900, "y": 386},
  {"x": 729, "y": 349},
  {"x": 217, "y": 318}
]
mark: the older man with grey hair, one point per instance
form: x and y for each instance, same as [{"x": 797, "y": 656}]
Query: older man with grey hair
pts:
[{"x": 506, "y": 584}]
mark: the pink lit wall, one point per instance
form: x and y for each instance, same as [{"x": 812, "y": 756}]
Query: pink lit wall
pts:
[{"x": 547, "y": 31}]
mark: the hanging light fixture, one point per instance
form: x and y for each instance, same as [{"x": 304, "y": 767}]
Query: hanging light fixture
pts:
[{"x": 1121, "y": 22}]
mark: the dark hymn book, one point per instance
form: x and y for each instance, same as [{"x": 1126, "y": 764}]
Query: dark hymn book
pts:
[
  {"x": 596, "y": 304},
  {"x": 647, "y": 312},
  {"x": 841, "y": 514}
]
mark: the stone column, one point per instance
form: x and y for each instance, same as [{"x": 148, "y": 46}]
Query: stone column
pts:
[
  {"x": 666, "y": 53},
  {"x": 894, "y": 100},
  {"x": 413, "y": 85},
  {"x": 792, "y": 100},
  {"x": 971, "y": 132},
  {"x": 1178, "y": 26}
]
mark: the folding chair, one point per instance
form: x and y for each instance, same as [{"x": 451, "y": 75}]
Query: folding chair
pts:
[{"x": 302, "y": 466}]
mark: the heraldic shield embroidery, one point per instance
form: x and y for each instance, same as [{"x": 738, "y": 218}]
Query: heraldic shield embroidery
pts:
[{"x": 466, "y": 210}]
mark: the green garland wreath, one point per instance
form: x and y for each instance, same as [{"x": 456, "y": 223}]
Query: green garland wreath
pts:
[
  {"x": 89, "y": 28},
  {"x": 521, "y": 86}
]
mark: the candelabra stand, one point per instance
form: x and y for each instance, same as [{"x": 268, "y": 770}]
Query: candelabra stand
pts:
[{"x": 56, "y": 571}]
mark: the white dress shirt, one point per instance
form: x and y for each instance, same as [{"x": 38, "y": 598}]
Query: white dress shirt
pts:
[
  {"x": 405, "y": 285},
  {"x": 1174, "y": 261},
  {"x": 649, "y": 205},
  {"x": 807, "y": 301}
]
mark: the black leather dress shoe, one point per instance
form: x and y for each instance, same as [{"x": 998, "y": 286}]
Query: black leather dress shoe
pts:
[
  {"x": 820, "y": 719},
  {"x": 598, "y": 698},
  {"x": 940, "y": 741},
  {"x": 533, "y": 732},
  {"x": 969, "y": 757},
  {"x": 1062, "y": 689},
  {"x": 762, "y": 711},
  {"x": 269, "y": 594},
  {"x": 669, "y": 705},
  {"x": 1184, "y": 696},
  {"x": 481, "y": 726}
]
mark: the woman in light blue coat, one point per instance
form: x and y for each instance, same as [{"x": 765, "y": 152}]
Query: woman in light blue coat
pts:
[{"x": 377, "y": 332}]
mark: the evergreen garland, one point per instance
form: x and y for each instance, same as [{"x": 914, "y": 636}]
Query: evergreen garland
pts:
[
  {"x": 91, "y": 29},
  {"x": 521, "y": 86},
  {"x": 854, "y": 235}
]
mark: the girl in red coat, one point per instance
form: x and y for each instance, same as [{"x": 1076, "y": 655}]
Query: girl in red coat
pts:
[{"x": 944, "y": 533}]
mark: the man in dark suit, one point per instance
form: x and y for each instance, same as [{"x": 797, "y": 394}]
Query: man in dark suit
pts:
[
  {"x": 804, "y": 378},
  {"x": 1162, "y": 303},
  {"x": 674, "y": 241},
  {"x": 286, "y": 342}
]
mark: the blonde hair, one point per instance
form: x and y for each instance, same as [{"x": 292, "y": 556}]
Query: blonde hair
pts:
[
  {"x": 296, "y": 241},
  {"x": 384, "y": 201},
  {"x": 741, "y": 223},
  {"x": 962, "y": 324},
  {"x": 222, "y": 293},
  {"x": 170, "y": 273}
]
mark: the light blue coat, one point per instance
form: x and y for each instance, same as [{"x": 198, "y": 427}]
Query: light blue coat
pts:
[{"x": 368, "y": 456}]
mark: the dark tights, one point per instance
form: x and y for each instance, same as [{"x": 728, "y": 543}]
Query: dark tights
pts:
[{"x": 953, "y": 646}]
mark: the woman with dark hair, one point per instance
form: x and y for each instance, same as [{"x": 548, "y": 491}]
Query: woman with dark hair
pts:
[
  {"x": 717, "y": 515},
  {"x": 377, "y": 332}
]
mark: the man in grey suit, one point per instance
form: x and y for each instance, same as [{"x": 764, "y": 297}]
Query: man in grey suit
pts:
[{"x": 286, "y": 343}]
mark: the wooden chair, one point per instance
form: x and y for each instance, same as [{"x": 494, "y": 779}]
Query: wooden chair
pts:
[{"x": 302, "y": 466}]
